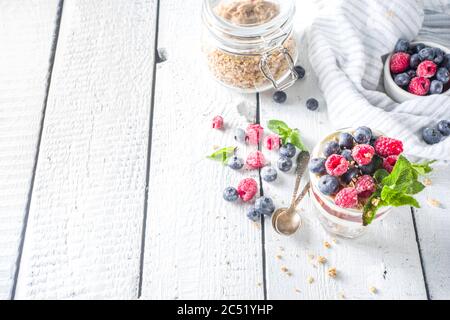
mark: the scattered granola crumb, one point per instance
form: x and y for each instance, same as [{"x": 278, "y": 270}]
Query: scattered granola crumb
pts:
[
  {"x": 427, "y": 182},
  {"x": 334, "y": 240},
  {"x": 326, "y": 244},
  {"x": 289, "y": 274},
  {"x": 279, "y": 257},
  {"x": 257, "y": 225},
  {"x": 259, "y": 284},
  {"x": 281, "y": 249},
  {"x": 434, "y": 203},
  {"x": 332, "y": 273},
  {"x": 284, "y": 269},
  {"x": 373, "y": 290},
  {"x": 297, "y": 290},
  {"x": 310, "y": 279},
  {"x": 341, "y": 295},
  {"x": 321, "y": 259}
]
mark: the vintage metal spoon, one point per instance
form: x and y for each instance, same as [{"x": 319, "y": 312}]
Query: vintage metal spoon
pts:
[{"x": 286, "y": 221}]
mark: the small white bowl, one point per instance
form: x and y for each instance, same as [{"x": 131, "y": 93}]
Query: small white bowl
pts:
[{"x": 397, "y": 93}]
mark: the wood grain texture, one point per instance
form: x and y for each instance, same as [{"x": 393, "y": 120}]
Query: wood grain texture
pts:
[
  {"x": 433, "y": 225},
  {"x": 84, "y": 232},
  {"x": 197, "y": 245},
  {"x": 26, "y": 37},
  {"x": 386, "y": 257}
]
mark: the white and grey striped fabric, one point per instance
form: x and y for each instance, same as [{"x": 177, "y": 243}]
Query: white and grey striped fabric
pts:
[{"x": 346, "y": 44}]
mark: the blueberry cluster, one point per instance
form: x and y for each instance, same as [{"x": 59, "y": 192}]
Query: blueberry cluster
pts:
[
  {"x": 435, "y": 135},
  {"x": 420, "y": 69}
]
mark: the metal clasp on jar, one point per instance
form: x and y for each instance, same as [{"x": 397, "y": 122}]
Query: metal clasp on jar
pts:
[{"x": 265, "y": 69}]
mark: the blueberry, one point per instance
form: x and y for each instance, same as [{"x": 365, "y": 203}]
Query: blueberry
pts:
[
  {"x": 439, "y": 56},
  {"x": 269, "y": 174},
  {"x": 347, "y": 154},
  {"x": 415, "y": 61},
  {"x": 370, "y": 168},
  {"x": 253, "y": 214},
  {"x": 235, "y": 163},
  {"x": 300, "y": 71},
  {"x": 417, "y": 47},
  {"x": 402, "y": 79},
  {"x": 431, "y": 135},
  {"x": 317, "y": 165},
  {"x": 411, "y": 73},
  {"x": 446, "y": 62},
  {"x": 312, "y": 104},
  {"x": 328, "y": 184},
  {"x": 363, "y": 135},
  {"x": 331, "y": 147},
  {"x": 351, "y": 174},
  {"x": 444, "y": 127},
  {"x": 288, "y": 150},
  {"x": 443, "y": 75},
  {"x": 426, "y": 54},
  {"x": 346, "y": 140},
  {"x": 284, "y": 164},
  {"x": 402, "y": 46},
  {"x": 279, "y": 97},
  {"x": 230, "y": 194},
  {"x": 436, "y": 87},
  {"x": 240, "y": 135},
  {"x": 265, "y": 206}
]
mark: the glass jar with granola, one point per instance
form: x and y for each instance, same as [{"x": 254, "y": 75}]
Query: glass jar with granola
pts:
[{"x": 249, "y": 44}]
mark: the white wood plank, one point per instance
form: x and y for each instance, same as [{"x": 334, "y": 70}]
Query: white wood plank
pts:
[
  {"x": 85, "y": 225},
  {"x": 433, "y": 225},
  {"x": 26, "y": 36},
  {"x": 197, "y": 245},
  {"x": 386, "y": 258}
]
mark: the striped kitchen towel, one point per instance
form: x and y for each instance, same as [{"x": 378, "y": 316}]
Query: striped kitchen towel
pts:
[{"x": 346, "y": 45}]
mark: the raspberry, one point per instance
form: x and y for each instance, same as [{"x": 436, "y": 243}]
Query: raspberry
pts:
[
  {"x": 363, "y": 154},
  {"x": 419, "y": 86},
  {"x": 385, "y": 146},
  {"x": 247, "y": 189},
  {"x": 365, "y": 186},
  {"x": 256, "y": 160},
  {"x": 217, "y": 122},
  {"x": 336, "y": 165},
  {"x": 389, "y": 163},
  {"x": 399, "y": 62},
  {"x": 254, "y": 133},
  {"x": 346, "y": 198},
  {"x": 272, "y": 142},
  {"x": 426, "y": 69}
]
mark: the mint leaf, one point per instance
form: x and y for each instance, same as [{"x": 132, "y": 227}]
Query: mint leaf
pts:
[
  {"x": 423, "y": 168},
  {"x": 415, "y": 187},
  {"x": 401, "y": 165},
  {"x": 397, "y": 199},
  {"x": 379, "y": 175},
  {"x": 223, "y": 154},
  {"x": 277, "y": 126},
  {"x": 294, "y": 138}
]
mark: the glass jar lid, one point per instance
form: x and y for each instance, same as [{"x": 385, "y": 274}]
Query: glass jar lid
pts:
[{"x": 249, "y": 27}]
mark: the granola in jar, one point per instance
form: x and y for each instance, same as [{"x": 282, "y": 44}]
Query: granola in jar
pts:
[{"x": 234, "y": 57}]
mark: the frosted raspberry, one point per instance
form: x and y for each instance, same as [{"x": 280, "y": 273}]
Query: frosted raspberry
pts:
[
  {"x": 255, "y": 160},
  {"x": 363, "y": 154},
  {"x": 365, "y": 186},
  {"x": 346, "y": 198},
  {"x": 336, "y": 165},
  {"x": 247, "y": 189},
  {"x": 389, "y": 163},
  {"x": 254, "y": 133},
  {"x": 217, "y": 122},
  {"x": 399, "y": 62},
  {"x": 426, "y": 69},
  {"x": 385, "y": 146},
  {"x": 419, "y": 86},
  {"x": 272, "y": 142}
]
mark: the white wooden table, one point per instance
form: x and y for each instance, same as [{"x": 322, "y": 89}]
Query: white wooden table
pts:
[{"x": 105, "y": 191}]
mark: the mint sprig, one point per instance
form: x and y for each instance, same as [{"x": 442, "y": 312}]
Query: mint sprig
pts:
[
  {"x": 287, "y": 135},
  {"x": 223, "y": 154},
  {"x": 397, "y": 188}
]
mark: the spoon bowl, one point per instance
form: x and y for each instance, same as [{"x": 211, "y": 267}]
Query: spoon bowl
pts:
[{"x": 286, "y": 221}]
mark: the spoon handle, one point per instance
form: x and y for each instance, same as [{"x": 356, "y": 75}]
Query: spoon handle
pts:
[
  {"x": 302, "y": 194},
  {"x": 302, "y": 163}
]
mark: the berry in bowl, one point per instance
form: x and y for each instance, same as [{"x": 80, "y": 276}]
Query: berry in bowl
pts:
[
  {"x": 416, "y": 70},
  {"x": 357, "y": 176}
]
